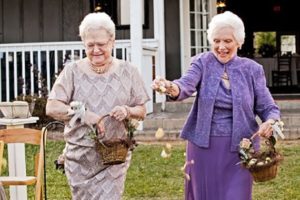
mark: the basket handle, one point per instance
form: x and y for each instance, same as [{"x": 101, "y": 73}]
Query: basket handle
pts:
[
  {"x": 104, "y": 116},
  {"x": 101, "y": 118},
  {"x": 254, "y": 135},
  {"x": 270, "y": 142}
]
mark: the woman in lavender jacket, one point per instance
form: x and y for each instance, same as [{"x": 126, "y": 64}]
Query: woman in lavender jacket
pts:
[{"x": 231, "y": 92}]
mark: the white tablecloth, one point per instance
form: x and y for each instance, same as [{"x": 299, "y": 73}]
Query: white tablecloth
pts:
[{"x": 270, "y": 64}]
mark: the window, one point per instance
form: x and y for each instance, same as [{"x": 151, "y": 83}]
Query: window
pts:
[
  {"x": 264, "y": 44},
  {"x": 199, "y": 16},
  {"x": 288, "y": 43}
]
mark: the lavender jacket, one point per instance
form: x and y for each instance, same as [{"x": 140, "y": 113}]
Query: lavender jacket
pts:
[{"x": 250, "y": 97}]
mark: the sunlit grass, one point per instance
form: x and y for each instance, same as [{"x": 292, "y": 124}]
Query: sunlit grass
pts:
[{"x": 155, "y": 178}]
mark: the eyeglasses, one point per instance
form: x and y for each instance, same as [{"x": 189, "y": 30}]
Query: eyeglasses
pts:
[{"x": 101, "y": 46}]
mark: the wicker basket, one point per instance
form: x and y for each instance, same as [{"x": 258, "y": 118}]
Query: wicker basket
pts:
[
  {"x": 266, "y": 171},
  {"x": 266, "y": 163},
  {"x": 114, "y": 151},
  {"x": 16, "y": 109}
]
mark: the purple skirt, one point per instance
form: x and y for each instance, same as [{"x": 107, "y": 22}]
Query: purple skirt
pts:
[{"x": 213, "y": 173}]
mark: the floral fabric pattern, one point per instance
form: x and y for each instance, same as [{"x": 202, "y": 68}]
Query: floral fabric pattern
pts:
[{"x": 249, "y": 95}]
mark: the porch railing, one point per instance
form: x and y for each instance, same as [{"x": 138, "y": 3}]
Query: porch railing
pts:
[{"x": 31, "y": 68}]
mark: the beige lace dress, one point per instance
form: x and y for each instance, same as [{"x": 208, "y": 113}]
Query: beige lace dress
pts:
[{"x": 121, "y": 85}]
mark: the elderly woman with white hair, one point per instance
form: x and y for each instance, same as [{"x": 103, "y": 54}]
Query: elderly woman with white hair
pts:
[
  {"x": 104, "y": 85},
  {"x": 231, "y": 91}
]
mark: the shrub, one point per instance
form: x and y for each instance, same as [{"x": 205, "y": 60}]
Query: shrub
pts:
[{"x": 267, "y": 50}]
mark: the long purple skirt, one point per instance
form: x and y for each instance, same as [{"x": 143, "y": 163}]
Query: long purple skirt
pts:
[{"x": 213, "y": 173}]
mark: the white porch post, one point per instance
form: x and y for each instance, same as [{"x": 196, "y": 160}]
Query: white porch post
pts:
[
  {"x": 185, "y": 41},
  {"x": 159, "y": 35},
  {"x": 136, "y": 33},
  {"x": 136, "y": 36}
]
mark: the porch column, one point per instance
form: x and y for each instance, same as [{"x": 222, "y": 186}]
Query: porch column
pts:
[
  {"x": 136, "y": 33},
  {"x": 159, "y": 35},
  {"x": 185, "y": 32}
]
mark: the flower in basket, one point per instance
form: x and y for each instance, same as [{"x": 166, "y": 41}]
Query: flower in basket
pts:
[
  {"x": 251, "y": 159},
  {"x": 254, "y": 160},
  {"x": 246, "y": 152},
  {"x": 92, "y": 133},
  {"x": 263, "y": 163}
]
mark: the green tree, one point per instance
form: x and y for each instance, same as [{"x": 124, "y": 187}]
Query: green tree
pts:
[{"x": 265, "y": 43}]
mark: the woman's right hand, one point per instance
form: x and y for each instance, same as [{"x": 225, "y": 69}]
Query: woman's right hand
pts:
[
  {"x": 160, "y": 85},
  {"x": 164, "y": 86},
  {"x": 58, "y": 110}
]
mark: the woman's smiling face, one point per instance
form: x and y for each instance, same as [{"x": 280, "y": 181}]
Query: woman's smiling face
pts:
[
  {"x": 224, "y": 44},
  {"x": 98, "y": 45}
]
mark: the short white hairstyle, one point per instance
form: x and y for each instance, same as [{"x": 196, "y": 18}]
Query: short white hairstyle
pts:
[
  {"x": 225, "y": 20},
  {"x": 97, "y": 21}
]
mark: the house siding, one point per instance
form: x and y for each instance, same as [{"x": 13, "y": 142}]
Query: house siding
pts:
[
  {"x": 11, "y": 20},
  {"x": 31, "y": 27},
  {"x": 52, "y": 21},
  {"x": 41, "y": 20},
  {"x": 1, "y": 21}
]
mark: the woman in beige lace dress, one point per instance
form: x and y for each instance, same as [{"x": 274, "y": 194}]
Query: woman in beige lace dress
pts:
[{"x": 105, "y": 85}]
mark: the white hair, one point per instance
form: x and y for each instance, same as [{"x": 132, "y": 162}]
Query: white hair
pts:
[
  {"x": 96, "y": 21},
  {"x": 224, "y": 20}
]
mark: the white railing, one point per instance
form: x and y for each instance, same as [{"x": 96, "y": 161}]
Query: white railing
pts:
[{"x": 30, "y": 68}]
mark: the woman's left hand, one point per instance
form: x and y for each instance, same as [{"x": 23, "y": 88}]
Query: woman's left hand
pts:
[
  {"x": 265, "y": 129},
  {"x": 119, "y": 113}
]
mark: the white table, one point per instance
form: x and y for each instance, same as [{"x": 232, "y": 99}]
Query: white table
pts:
[
  {"x": 270, "y": 64},
  {"x": 16, "y": 157}
]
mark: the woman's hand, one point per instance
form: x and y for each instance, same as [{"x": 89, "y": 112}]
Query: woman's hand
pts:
[
  {"x": 265, "y": 129},
  {"x": 58, "y": 110},
  {"x": 164, "y": 86},
  {"x": 161, "y": 85},
  {"x": 119, "y": 113}
]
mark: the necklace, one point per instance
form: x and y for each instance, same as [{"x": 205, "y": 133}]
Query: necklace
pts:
[
  {"x": 101, "y": 69},
  {"x": 225, "y": 76}
]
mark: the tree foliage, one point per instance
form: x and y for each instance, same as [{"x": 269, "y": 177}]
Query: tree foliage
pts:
[{"x": 265, "y": 43}]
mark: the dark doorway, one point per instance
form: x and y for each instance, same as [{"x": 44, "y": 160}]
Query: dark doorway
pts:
[{"x": 279, "y": 16}]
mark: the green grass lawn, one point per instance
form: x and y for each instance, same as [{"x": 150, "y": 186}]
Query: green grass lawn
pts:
[{"x": 152, "y": 177}]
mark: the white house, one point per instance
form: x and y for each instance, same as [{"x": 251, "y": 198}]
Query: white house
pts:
[{"x": 159, "y": 36}]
